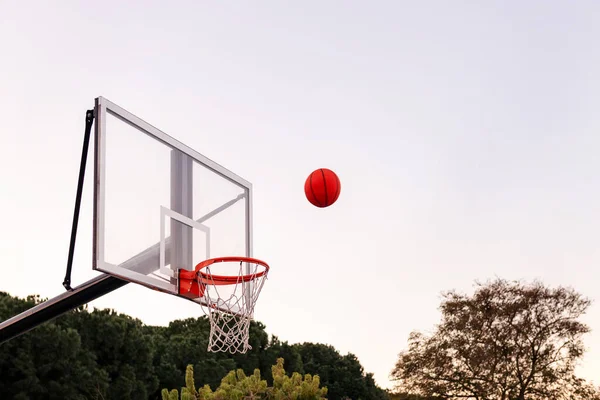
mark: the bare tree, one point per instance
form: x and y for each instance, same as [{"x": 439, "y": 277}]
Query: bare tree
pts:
[{"x": 508, "y": 341}]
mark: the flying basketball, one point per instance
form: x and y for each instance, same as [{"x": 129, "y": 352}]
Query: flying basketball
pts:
[{"x": 322, "y": 187}]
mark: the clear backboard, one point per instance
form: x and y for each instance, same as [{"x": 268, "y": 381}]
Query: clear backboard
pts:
[{"x": 160, "y": 206}]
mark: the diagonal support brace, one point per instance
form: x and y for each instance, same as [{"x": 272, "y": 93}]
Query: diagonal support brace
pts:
[{"x": 89, "y": 119}]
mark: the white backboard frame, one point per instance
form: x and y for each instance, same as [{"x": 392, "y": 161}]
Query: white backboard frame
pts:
[{"x": 137, "y": 268}]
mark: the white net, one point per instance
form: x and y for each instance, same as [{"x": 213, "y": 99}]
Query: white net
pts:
[{"x": 232, "y": 299}]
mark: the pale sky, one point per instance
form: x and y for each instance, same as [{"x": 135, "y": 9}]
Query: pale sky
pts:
[{"x": 465, "y": 135}]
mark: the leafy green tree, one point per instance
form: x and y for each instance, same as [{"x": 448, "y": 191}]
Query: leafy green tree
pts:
[
  {"x": 296, "y": 386},
  {"x": 107, "y": 355},
  {"x": 343, "y": 375},
  {"x": 508, "y": 341},
  {"x": 49, "y": 362},
  {"x": 122, "y": 348},
  {"x": 278, "y": 349},
  {"x": 184, "y": 342},
  {"x": 236, "y": 385}
]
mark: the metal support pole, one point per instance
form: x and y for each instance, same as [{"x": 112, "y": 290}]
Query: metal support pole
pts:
[{"x": 50, "y": 309}]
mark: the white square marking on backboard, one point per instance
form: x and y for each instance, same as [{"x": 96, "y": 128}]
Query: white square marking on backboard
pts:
[{"x": 167, "y": 212}]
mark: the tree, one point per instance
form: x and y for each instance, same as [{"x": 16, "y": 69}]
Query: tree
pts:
[
  {"x": 278, "y": 349},
  {"x": 408, "y": 396},
  {"x": 121, "y": 347},
  {"x": 343, "y": 375},
  {"x": 508, "y": 341},
  {"x": 49, "y": 362},
  {"x": 106, "y": 355},
  {"x": 300, "y": 387},
  {"x": 236, "y": 386}
]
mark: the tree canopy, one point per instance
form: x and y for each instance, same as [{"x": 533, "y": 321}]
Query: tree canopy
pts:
[
  {"x": 507, "y": 341},
  {"x": 106, "y": 355}
]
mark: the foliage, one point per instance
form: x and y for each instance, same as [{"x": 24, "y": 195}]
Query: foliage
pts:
[
  {"x": 237, "y": 386},
  {"x": 409, "y": 396},
  {"x": 121, "y": 347},
  {"x": 104, "y": 355},
  {"x": 508, "y": 341},
  {"x": 343, "y": 375},
  {"x": 50, "y": 362},
  {"x": 296, "y": 387}
]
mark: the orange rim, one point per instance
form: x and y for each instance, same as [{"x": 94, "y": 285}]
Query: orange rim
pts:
[{"x": 229, "y": 280}]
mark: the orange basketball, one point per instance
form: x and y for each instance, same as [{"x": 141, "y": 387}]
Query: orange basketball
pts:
[{"x": 322, "y": 187}]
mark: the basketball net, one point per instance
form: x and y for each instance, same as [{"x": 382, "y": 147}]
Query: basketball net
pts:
[{"x": 231, "y": 305}]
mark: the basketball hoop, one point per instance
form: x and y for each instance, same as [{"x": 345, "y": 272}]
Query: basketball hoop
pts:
[{"x": 229, "y": 299}]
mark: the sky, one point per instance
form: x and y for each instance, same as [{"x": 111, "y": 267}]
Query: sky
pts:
[{"x": 465, "y": 135}]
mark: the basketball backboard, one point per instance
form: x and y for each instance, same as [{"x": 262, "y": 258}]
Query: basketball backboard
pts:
[{"x": 160, "y": 206}]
